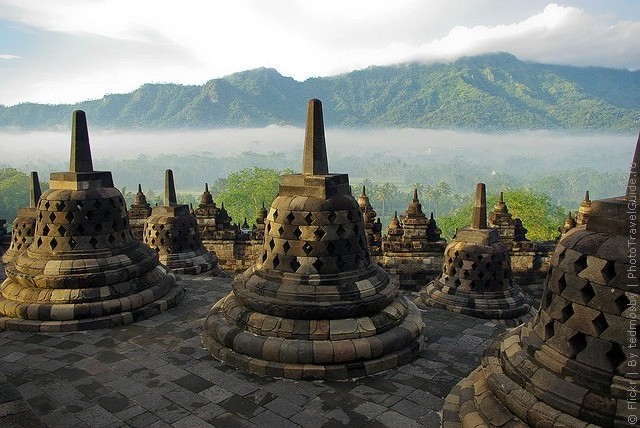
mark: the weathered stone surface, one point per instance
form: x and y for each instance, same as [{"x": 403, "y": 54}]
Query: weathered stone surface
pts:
[
  {"x": 83, "y": 269},
  {"x": 314, "y": 293}
]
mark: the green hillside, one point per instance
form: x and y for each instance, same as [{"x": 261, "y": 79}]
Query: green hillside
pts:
[{"x": 486, "y": 93}]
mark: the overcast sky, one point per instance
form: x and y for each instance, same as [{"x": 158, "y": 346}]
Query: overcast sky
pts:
[{"x": 57, "y": 51}]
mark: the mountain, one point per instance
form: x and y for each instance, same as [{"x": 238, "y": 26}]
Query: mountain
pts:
[{"x": 486, "y": 93}]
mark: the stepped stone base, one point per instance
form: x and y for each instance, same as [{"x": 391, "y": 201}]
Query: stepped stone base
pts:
[{"x": 313, "y": 349}]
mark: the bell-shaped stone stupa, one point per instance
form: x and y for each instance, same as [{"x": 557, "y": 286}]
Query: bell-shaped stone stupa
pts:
[
  {"x": 575, "y": 365},
  {"x": 84, "y": 269},
  {"x": 476, "y": 275},
  {"x": 24, "y": 225},
  {"x": 172, "y": 231},
  {"x": 314, "y": 306}
]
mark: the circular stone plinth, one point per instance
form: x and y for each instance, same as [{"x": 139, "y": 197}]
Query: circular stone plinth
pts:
[{"x": 313, "y": 349}]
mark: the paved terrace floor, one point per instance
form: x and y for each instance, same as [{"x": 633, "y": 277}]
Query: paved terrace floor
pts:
[{"x": 156, "y": 373}]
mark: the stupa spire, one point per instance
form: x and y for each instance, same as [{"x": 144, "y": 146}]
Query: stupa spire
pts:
[
  {"x": 170, "y": 199},
  {"x": 314, "y": 160},
  {"x": 80, "y": 149},
  {"x": 35, "y": 192},
  {"x": 479, "y": 219},
  {"x": 415, "y": 195},
  {"x": 139, "y": 188},
  {"x": 586, "y": 197}
]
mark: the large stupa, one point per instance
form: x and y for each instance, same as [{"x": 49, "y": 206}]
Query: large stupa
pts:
[
  {"x": 84, "y": 269},
  {"x": 314, "y": 306},
  {"x": 24, "y": 225}
]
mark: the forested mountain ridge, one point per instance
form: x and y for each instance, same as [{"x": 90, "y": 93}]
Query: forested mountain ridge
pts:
[{"x": 486, "y": 93}]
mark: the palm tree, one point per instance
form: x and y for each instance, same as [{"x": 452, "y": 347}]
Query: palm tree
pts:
[
  {"x": 384, "y": 193},
  {"x": 442, "y": 190}
]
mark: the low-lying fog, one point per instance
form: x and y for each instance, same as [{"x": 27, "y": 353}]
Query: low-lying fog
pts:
[{"x": 199, "y": 156}]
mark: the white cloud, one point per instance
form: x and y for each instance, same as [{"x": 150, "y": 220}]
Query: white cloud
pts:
[
  {"x": 101, "y": 46},
  {"x": 9, "y": 56}
]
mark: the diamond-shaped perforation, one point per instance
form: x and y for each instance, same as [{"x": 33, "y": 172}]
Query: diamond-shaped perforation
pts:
[
  {"x": 587, "y": 292},
  {"x": 340, "y": 263},
  {"x": 52, "y": 216},
  {"x": 72, "y": 243},
  {"x": 549, "y": 330},
  {"x": 348, "y": 245},
  {"x": 319, "y": 233},
  {"x": 307, "y": 248},
  {"x": 93, "y": 242},
  {"x": 79, "y": 205},
  {"x": 290, "y": 217},
  {"x": 578, "y": 342},
  {"x": 546, "y": 299},
  {"x": 111, "y": 238},
  {"x": 60, "y": 206},
  {"x": 39, "y": 242},
  {"x": 264, "y": 256},
  {"x": 615, "y": 355},
  {"x": 286, "y": 247},
  {"x": 69, "y": 216},
  {"x": 295, "y": 264},
  {"x": 580, "y": 264},
  {"x": 276, "y": 261},
  {"x": 622, "y": 303},
  {"x": 609, "y": 271},
  {"x": 567, "y": 312},
  {"x": 332, "y": 216},
  {"x": 600, "y": 323},
  {"x": 349, "y": 215},
  {"x": 297, "y": 233},
  {"x": 562, "y": 284},
  {"x": 318, "y": 265},
  {"x": 280, "y": 231},
  {"x": 62, "y": 230},
  {"x": 45, "y": 230},
  {"x": 53, "y": 243},
  {"x": 331, "y": 248},
  {"x": 268, "y": 227},
  {"x": 309, "y": 218},
  {"x": 275, "y": 215},
  {"x": 47, "y": 204},
  {"x": 340, "y": 231}
]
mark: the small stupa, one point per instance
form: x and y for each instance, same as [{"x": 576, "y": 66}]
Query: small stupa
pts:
[
  {"x": 172, "y": 231},
  {"x": 314, "y": 306},
  {"x": 24, "y": 225},
  {"x": 476, "y": 275},
  {"x": 84, "y": 269},
  {"x": 575, "y": 365},
  {"x": 372, "y": 228},
  {"x": 569, "y": 224},
  {"x": 138, "y": 213},
  {"x": 582, "y": 217},
  {"x": 510, "y": 230}
]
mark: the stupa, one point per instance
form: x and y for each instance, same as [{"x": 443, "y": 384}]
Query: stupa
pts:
[
  {"x": 172, "y": 231},
  {"x": 372, "y": 228},
  {"x": 582, "y": 217},
  {"x": 575, "y": 365},
  {"x": 476, "y": 275},
  {"x": 138, "y": 213},
  {"x": 569, "y": 224},
  {"x": 314, "y": 306},
  {"x": 510, "y": 230},
  {"x": 84, "y": 269},
  {"x": 24, "y": 225}
]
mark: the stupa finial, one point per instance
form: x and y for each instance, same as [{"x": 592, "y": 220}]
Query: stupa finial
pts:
[
  {"x": 139, "y": 188},
  {"x": 415, "y": 195},
  {"x": 502, "y": 197},
  {"x": 170, "y": 199},
  {"x": 479, "y": 219},
  {"x": 206, "y": 187},
  {"x": 80, "y": 149},
  {"x": 364, "y": 190},
  {"x": 586, "y": 196},
  {"x": 34, "y": 189},
  {"x": 314, "y": 160}
]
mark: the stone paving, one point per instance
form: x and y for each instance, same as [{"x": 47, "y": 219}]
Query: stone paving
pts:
[{"x": 156, "y": 373}]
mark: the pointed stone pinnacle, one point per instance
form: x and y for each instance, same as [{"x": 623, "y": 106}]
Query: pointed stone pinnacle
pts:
[
  {"x": 479, "y": 219},
  {"x": 633, "y": 186},
  {"x": 170, "y": 199},
  {"x": 586, "y": 197},
  {"x": 415, "y": 195},
  {"x": 139, "y": 188},
  {"x": 206, "y": 187},
  {"x": 502, "y": 197},
  {"x": 364, "y": 191},
  {"x": 80, "y": 149},
  {"x": 314, "y": 160},
  {"x": 34, "y": 190},
  {"x": 431, "y": 218}
]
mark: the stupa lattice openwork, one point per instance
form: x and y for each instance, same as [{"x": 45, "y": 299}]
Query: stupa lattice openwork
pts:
[
  {"x": 84, "y": 269},
  {"x": 476, "y": 274},
  {"x": 24, "y": 225},
  {"x": 314, "y": 306},
  {"x": 575, "y": 365}
]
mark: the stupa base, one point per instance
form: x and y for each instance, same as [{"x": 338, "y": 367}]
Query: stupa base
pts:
[
  {"x": 311, "y": 353},
  {"x": 191, "y": 263},
  {"x": 126, "y": 310}
]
